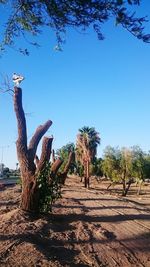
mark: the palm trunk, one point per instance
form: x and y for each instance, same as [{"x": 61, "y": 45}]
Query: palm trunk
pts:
[
  {"x": 86, "y": 176},
  {"x": 84, "y": 173}
]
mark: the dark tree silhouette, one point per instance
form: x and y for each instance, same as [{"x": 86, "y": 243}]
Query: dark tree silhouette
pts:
[{"x": 32, "y": 16}]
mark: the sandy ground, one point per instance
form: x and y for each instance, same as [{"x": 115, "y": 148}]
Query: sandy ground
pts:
[{"x": 87, "y": 228}]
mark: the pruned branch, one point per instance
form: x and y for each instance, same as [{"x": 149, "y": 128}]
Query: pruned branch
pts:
[
  {"x": 63, "y": 175},
  {"x": 55, "y": 167},
  {"x": 70, "y": 159},
  {"x": 40, "y": 131},
  {"x": 46, "y": 152},
  {"x": 21, "y": 122},
  {"x": 25, "y": 155}
]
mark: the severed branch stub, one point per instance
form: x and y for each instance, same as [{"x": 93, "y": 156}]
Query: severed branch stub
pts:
[
  {"x": 55, "y": 167},
  {"x": 46, "y": 153},
  {"x": 63, "y": 175},
  {"x": 40, "y": 131}
]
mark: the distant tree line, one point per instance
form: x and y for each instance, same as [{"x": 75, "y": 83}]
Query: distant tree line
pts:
[
  {"x": 119, "y": 165},
  {"x": 126, "y": 165}
]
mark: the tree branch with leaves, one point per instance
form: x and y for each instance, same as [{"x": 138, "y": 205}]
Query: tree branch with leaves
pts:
[{"x": 33, "y": 16}]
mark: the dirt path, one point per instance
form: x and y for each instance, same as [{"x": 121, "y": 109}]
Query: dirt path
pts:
[{"x": 87, "y": 228}]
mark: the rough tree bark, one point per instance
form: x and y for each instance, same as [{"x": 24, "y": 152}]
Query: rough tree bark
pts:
[
  {"x": 67, "y": 166},
  {"x": 53, "y": 155},
  {"x": 27, "y": 154},
  {"x": 55, "y": 167},
  {"x": 86, "y": 166},
  {"x": 126, "y": 185}
]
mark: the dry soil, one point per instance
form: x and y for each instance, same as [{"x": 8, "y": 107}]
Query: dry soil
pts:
[{"x": 88, "y": 227}]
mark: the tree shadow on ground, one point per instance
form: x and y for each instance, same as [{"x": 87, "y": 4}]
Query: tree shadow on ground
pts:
[
  {"x": 109, "y": 218},
  {"x": 9, "y": 203},
  {"x": 102, "y": 207},
  {"x": 64, "y": 250}
]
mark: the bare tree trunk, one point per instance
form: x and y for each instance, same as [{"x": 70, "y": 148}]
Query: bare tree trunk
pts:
[
  {"x": 26, "y": 155},
  {"x": 111, "y": 184},
  {"x": 55, "y": 167},
  {"x": 67, "y": 166},
  {"x": 140, "y": 187},
  {"x": 127, "y": 188},
  {"x": 124, "y": 187},
  {"x": 123, "y": 183}
]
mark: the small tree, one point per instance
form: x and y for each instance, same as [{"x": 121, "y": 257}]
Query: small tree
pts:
[
  {"x": 118, "y": 166},
  {"x": 140, "y": 166},
  {"x": 147, "y": 166},
  {"x": 6, "y": 172},
  {"x": 110, "y": 163},
  {"x": 126, "y": 166},
  {"x": 96, "y": 167}
]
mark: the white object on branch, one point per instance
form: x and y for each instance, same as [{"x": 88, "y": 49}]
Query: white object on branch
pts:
[{"x": 17, "y": 79}]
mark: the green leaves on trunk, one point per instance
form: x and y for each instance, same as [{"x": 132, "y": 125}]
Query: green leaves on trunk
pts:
[{"x": 49, "y": 189}]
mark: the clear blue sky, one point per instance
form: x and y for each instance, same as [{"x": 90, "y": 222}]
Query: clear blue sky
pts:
[{"x": 105, "y": 84}]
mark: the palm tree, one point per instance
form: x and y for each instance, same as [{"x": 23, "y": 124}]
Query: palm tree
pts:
[{"x": 86, "y": 149}]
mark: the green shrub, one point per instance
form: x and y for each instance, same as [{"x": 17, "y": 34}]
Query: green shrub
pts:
[{"x": 49, "y": 189}]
